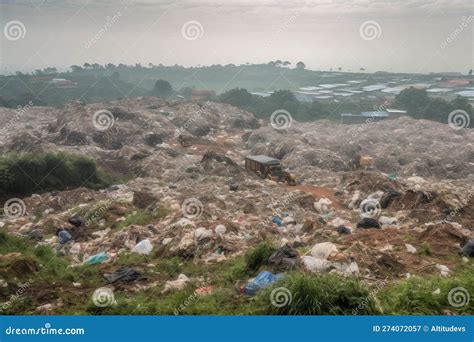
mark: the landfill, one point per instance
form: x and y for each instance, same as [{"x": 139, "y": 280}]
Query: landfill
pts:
[{"x": 183, "y": 169}]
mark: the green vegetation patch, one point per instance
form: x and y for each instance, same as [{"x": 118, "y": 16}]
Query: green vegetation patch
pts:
[{"x": 28, "y": 173}]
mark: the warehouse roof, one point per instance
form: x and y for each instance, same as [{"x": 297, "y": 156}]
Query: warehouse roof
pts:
[{"x": 261, "y": 158}]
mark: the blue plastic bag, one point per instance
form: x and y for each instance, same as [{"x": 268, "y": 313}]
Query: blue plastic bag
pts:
[
  {"x": 277, "y": 221},
  {"x": 64, "y": 237},
  {"x": 262, "y": 280},
  {"x": 97, "y": 259}
]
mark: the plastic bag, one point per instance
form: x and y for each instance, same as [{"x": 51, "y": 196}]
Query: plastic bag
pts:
[
  {"x": 97, "y": 259},
  {"x": 262, "y": 280},
  {"x": 144, "y": 247}
]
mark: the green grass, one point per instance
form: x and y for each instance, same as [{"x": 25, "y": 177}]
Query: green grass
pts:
[
  {"x": 258, "y": 255},
  {"x": 324, "y": 294},
  {"x": 311, "y": 294},
  {"x": 50, "y": 274},
  {"x": 425, "y": 249},
  {"x": 415, "y": 296}
]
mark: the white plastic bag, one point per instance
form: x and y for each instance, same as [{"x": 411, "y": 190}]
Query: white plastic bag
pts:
[{"x": 143, "y": 247}]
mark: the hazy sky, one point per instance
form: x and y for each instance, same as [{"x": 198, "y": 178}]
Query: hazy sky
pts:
[{"x": 391, "y": 35}]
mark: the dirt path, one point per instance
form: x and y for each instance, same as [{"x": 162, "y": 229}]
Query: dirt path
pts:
[{"x": 318, "y": 192}]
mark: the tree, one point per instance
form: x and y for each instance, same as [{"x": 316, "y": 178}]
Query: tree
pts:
[
  {"x": 87, "y": 66},
  {"x": 300, "y": 65},
  {"x": 278, "y": 63},
  {"x": 162, "y": 89},
  {"x": 470, "y": 72},
  {"x": 339, "y": 68},
  {"x": 362, "y": 69},
  {"x": 76, "y": 68},
  {"x": 50, "y": 70},
  {"x": 413, "y": 100},
  {"x": 285, "y": 63},
  {"x": 238, "y": 97}
]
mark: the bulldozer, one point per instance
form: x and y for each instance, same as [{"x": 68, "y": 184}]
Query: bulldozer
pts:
[{"x": 269, "y": 168}]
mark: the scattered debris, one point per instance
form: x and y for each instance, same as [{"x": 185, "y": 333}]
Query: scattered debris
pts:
[
  {"x": 123, "y": 274},
  {"x": 262, "y": 280}
]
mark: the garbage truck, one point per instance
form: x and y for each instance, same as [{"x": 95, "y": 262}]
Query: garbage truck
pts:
[{"x": 269, "y": 168}]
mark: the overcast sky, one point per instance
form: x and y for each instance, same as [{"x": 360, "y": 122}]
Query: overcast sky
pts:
[{"x": 390, "y": 35}]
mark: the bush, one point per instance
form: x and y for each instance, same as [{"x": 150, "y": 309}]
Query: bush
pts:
[
  {"x": 29, "y": 173},
  {"x": 415, "y": 296},
  {"x": 324, "y": 294},
  {"x": 259, "y": 255}
]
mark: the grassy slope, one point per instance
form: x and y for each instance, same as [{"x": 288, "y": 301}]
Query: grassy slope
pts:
[{"x": 311, "y": 294}]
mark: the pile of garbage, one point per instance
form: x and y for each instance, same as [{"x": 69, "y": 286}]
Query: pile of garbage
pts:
[
  {"x": 403, "y": 147},
  {"x": 410, "y": 213}
]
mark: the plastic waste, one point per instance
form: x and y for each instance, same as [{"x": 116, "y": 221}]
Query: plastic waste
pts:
[
  {"x": 314, "y": 264},
  {"x": 262, "y": 280},
  {"x": 64, "y": 237},
  {"x": 277, "y": 220},
  {"x": 125, "y": 274},
  {"x": 468, "y": 248},
  {"x": 323, "y": 250},
  {"x": 284, "y": 259},
  {"x": 97, "y": 259},
  {"x": 144, "y": 247}
]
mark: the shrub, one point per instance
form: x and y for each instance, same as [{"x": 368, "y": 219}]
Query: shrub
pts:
[
  {"x": 29, "y": 173},
  {"x": 259, "y": 255},
  {"x": 324, "y": 294},
  {"x": 419, "y": 296}
]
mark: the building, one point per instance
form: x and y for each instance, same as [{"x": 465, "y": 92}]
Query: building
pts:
[
  {"x": 63, "y": 83},
  {"x": 202, "y": 95},
  {"x": 396, "y": 113},
  {"x": 364, "y": 117}
]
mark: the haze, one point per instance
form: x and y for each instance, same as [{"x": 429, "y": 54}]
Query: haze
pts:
[{"x": 323, "y": 34}]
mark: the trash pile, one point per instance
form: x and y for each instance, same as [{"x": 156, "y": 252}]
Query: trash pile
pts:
[{"x": 191, "y": 199}]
